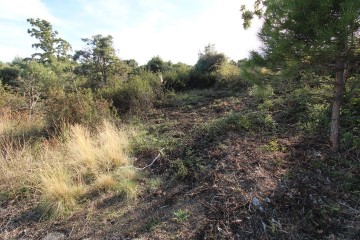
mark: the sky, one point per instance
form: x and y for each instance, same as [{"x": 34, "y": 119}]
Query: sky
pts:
[{"x": 175, "y": 30}]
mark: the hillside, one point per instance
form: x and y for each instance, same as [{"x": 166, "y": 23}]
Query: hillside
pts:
[{"x": 222, "y": 169}]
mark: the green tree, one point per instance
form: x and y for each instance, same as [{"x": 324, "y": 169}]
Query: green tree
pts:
[
  {"x": 98, "y": 59},
  {"x": 132, "y": 64},
  {"x": 52, "y": 46},
  {"x": 156, "y": 65},
  {"x": 204, "y": 72},
  {"x": 209, "y": 60},
  {"x": 308, "y": 33}
]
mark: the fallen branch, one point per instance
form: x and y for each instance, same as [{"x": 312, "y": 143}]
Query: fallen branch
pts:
[{"x": 156, "y": 158}]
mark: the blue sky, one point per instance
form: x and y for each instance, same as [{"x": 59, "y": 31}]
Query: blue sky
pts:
[{"x": 176, "y": 30}]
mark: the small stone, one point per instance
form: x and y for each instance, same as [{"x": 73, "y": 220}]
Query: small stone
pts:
[
  {"x": 55, "y": 236},
  {"x": 256, "y": 202}
]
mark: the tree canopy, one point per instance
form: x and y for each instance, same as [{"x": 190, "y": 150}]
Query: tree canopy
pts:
[
  {"x": 52, "y": 46},
  {"x": 97, "y": 58}
]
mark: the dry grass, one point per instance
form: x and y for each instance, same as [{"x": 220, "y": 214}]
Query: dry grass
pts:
[
  {"x": 61, "y": 173},
  {"x": 16, "y": 170},
  {"x": 103, "y": 151},
  {"x": 18, "y": 123},
  {"x": 105, "y": 182},
  {"x": 59, "y": 193}
]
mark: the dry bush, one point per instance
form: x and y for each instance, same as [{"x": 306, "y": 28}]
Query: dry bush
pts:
[
  {"x": 76, "y": 108},
  {"x": 19, "y": 123}
]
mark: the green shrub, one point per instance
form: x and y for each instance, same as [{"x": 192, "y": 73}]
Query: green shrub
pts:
[
  {"x": 11, "y": 100},
  {"x": 41, "y": 79},
  {"x": 317, "y": 116},
  {"x": 349, "y": 140},
  {"x": 202, "y": 80},
  {"x": 261, "y": 92},
  {"x": 181, "y": 215},
  {"x": 228, "y": 75},
  {"x": 301, "y": 105},
  {"x": 136, "y": 94},
  {"x": 179, "y": 168},
  {"x": 266, "y": 105},
  {"x": 177, "y": 78},
  {"x": 250, "y": 122},
  {"x": 76, "y": 108},
  {"x": 203, "y": 74},
  {"x": 9, "y": 75}
]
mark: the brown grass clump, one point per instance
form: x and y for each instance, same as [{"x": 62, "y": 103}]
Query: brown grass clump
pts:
[
  {"x": 59, "y": 193},
  {"x": 62, "y": 173},
  {"x": 105, "y": 182},
  {"x": 16, "y": 170},
  {"x": 113, "y": 144}
]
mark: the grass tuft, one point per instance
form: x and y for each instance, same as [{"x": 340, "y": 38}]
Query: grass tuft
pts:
[
  {"x": 59, "y": 194},
  {"x": 61, "y": 173},
  {"x": 105, "y": 182}
]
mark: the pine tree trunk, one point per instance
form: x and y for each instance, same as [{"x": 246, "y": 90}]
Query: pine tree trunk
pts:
[{"x": 335, "y": 118}]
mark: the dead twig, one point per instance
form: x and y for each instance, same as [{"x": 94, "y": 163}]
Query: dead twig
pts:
[{"x": 156, "y": 158}]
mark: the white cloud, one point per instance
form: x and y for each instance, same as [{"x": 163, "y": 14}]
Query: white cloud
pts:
[
  {"x": 14, "y": 39},
  {"x": 182, "y": 39},
  {"x": 176, "y": 30},
  {"x": 20, "y": 10}
]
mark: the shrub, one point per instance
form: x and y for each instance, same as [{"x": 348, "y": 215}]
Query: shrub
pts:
[
  {"x": 261, "y": 92},
  {"x": 177, "y": 78},
  {"x": 41, "y": 78},
  {"x": 76, "y": 108},
  {"x": 350, "y": 115},
  {"x": 181, "y": 215},
  {"x": 203, "y": 74},
  {"x": 9, "y": 75},
  {"x": 11, "y": 100},
  {"x": 306, "y": 107},
  {"x": 349, "y": 139},
  {"x": 202, "y": 80},
  {"x": 179, "y": 168},
  {"x": 136, "y": 94},
  {"x": 228, "y": 75},
  {"x": 248, "y": 122}
]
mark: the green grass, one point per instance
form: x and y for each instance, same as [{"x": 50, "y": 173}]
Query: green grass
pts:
[
  {"x": 249, "y": 122},
  {"x": 181, "y": 215}
]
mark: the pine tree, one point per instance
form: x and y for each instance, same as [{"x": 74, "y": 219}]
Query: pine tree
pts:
[
  {"x": 98, "y": 58},
  {"x": 52, "y": 46},
  {"x": 308, "y": 33}
]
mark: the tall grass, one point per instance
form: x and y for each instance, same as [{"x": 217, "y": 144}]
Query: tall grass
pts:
[
  {"x": 60, "y": 172},
  {"x": 18, "y": 122}
]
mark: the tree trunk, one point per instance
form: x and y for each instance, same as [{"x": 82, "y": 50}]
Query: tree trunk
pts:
[{"x": 335, "y": 118}]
